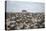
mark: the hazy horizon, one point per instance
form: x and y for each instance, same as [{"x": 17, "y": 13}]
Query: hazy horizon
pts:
[{"x": 14, "y": 6}]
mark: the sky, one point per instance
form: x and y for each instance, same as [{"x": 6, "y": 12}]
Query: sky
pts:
[{"x": 18, "y": 6}]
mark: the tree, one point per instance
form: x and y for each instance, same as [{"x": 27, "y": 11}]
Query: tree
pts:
[{"x": 24, "y": 11}]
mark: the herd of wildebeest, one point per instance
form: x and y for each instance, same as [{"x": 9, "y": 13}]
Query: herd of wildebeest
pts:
[{"x": 18, "y": 21}]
